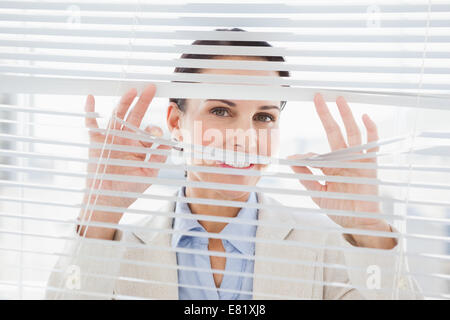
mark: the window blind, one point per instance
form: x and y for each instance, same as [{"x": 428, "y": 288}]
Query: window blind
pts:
[{"x": 389, "y": 59}]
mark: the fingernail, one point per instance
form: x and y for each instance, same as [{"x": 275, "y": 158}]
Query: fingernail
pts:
[{"x": 155, "y": 131}]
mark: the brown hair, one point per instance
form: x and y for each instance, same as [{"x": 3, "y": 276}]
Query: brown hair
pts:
[{"x": 181, "y": 102}]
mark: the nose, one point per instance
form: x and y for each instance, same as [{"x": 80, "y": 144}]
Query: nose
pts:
[{"x": 242, "y": 138}]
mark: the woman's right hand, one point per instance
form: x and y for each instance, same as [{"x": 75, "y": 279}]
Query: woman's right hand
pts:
[{"x": 134, "y": 118}]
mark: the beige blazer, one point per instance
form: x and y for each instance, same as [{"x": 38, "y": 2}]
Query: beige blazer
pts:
[{"x": 290, "y": 263}]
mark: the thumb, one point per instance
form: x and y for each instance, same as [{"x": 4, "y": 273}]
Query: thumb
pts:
[
  {"x": 312, "y": 185},
  {"x": 154, "y": 131},
  {"x": 300, "y": 157}
]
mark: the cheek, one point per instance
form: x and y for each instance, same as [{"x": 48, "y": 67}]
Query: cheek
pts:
[
  {"x": 201, "y": 132},
  {"x": 212, "y": 136},
  {"x": 268, "y": 142}
]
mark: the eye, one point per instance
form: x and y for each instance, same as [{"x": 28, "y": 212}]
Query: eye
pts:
[
  {"x": 264, "y": 117},
  {"x": 220, "y": 112}
]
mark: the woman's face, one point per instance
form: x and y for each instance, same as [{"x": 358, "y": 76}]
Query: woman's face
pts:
[{"x": 247, "y": 126}]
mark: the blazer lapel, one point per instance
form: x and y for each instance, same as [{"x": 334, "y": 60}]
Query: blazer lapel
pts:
[
  {"x": 161, "y": 278},
  {"x": 268, "y": 280}
]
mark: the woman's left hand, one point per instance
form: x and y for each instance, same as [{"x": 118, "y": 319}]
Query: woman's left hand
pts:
[{"x": 336, "y": 141}]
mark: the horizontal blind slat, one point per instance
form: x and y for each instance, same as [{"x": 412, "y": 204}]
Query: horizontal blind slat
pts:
[
  {"x": 224, "y": 8},
  {"x": 400, "y": 53},
  {"x": 62, "y": 86},
  {"x": 133, "y": 245},
  {"x": 226, "y": 64},
  {"x": 229, "y": 36},
  {"x": 401, "y": 86},
  {"x": 226, "y": 22},
  {"x": 204, "y": 217}
]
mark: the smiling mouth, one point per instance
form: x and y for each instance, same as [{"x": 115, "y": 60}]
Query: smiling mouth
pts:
[{"x": 237, "y": 165}]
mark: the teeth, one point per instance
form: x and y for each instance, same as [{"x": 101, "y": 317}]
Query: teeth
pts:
[{"x": 238, "y": 164}]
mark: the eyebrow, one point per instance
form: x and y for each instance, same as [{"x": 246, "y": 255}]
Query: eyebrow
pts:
[
  {"x": 269, "y": 107},
  {"x": 232, "y": 104}
]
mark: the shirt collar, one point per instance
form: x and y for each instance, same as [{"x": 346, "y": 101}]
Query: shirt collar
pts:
[
  {"x": 235, "y": 229},
  {"x": 183, "y": 224},
  {"x": 244, "y": 230}
]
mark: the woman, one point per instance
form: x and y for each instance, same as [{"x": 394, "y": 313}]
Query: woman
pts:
[{"x": 223, "y": 267}]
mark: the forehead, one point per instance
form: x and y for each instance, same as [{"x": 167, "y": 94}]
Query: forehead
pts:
[
  {"x": 239, "y": 104},
  {"x": 260, "y": 73},
  {"x": 241, "y": 72},
  {"x": 263, "y": 73}
]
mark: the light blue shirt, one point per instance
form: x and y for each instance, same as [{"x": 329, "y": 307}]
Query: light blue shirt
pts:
[{"x": 205, "y": 279}]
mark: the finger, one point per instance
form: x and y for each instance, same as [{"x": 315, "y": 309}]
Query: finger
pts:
[
  {"x": 334, "y": 134},
  {"x": 90, "y": 122},
  {"x": 312, "y": 185},
  {"x": 157, "y": 157},
  {"x": 122, "y": 107},
  {"x": 89, "y": 106},
  {"x": 351, "y": 127},
  {"x": 137, "y": 113},
  {"x": 154, "y": 131},
  {"x": 372, "y": 132}
]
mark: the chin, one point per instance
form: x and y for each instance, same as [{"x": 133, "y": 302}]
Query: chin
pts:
[
  {"x": 231, "y": 195},
  {"x": 228, "y": 179},
  {"x": 235, "y": 179},
  {"x": 231, "y": 179}
]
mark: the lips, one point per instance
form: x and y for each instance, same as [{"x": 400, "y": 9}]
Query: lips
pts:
[{"x": 225, "y": 165}]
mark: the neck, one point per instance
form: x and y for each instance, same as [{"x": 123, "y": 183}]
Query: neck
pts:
[{"x": 212, "y": 210}]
